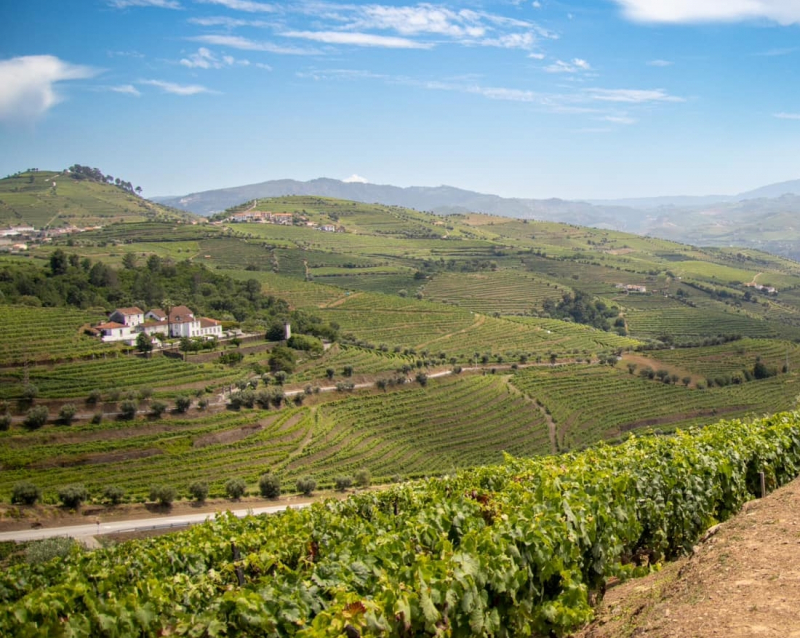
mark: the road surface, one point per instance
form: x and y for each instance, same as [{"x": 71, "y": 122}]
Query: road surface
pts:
[{"x": 93, "y": 529}]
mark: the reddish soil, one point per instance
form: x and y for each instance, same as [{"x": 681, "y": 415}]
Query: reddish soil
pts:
[{"x": 744, "y": 580}]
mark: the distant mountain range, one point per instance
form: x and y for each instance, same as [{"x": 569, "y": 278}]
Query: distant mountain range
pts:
[{"x": 767, "y": 218}]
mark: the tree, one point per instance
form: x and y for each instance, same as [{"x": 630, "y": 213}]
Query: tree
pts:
[
  {"x": 163, "y": 494},
  {"x": 330, "y": 372},
  {"x": 114, "y": 494},
  {"x": 306, "y": 485},
  {"x": 343, "y": 483},
  {"x": 144, "y": 343},
  {"x": 73, "y": 495},
  {"x": 36, "y": 417},
  {"x": 129, "y": 261},
  {"x": 183, "y": 403},
  {"x": 127, "y": 409},
  {"x": 94, "y": 397},
  {"x": 67, "y": 413},
  {"x": 282, "y": 358},
  {"x": 269, "y": 485},
  {"x": 59, "y": 262},
  {"x": 422, "y": 378},
  {"x": 5, "y": 421},
  {"x": 199, "y": 491},
  {"x": 157, "y": 408},
  {"x": 347, "y": 371},
  {"x": 363, "y": 477},
  {"x": 25, "y": 493},
  {"x": 235, "y": 488},
  {"x": 686, "y": 381}
]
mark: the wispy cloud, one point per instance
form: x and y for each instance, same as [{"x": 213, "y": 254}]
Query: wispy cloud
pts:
[
  {"x": 575, "y": 66},
  {"x": 126, "y": 89},
  {"x": 177, "y": 89},
  {"x": 783, "y": 12},
  {"x": 357, "y": 39},
  {"x": 245, "y": 44},
  {"x": 161, "y": 4},
  {"x": 659, "y": 63},
  {"x": 29, "y": 85},
  {"x": 205, "y": 59},
  {"x": 356, "y": 179},
  {"x": 632, "y": 96},
  {"x": 618, "y": 119},
  {"x": 787, "y": 116},
  {"x": 243, "y": 5},
  {"x": 228, "y": 23},
  {"x": 773, "y": 53}
]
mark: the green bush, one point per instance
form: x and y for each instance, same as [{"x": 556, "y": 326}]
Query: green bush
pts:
[
  {"x": 25, "y": 493},
  {"x": 235, "y": 488},
  {"x": 157, "y": 408},
  {"x": 343, "y": 483},
  {"x": 199, "y": 491},
  {"x": 363, "y": 477},
  {"x": 95, "y": 396},
  {"x": 163, "y": 494},
  {"x": 67, "y": 413},
  {"x": 183, "y": 403},
  {"x": 5, "y": 422},
  {"x": 97, "y": 419},
  {"x": 114, "y": 494},
  {"x": 43, "y": 551},
  {"x": 306, "y": 343},
  {"x": 269, "y": 485},
  {"x": 306, "y": 485},
  {"x": 36, "y": 417},
  {"x": 127, "y": 409},
  {"x": 72, "y": 495}
]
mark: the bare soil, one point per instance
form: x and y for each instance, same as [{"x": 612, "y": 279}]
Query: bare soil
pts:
[{"x": 744, "y": 580}]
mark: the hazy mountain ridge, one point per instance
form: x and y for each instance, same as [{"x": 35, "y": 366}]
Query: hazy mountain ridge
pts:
[{"x": 759, "y": 218}]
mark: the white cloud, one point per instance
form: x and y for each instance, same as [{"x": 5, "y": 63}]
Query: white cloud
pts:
[
  {"x": 537, "y": 56},
  {"x": 511, "y": 41},
  {"x": 659, "y": 63},
  {"x": 537, "y": 5},
  {"x": 357, "y": 39},
  {"x": 356, "y": 179},
  {"x": 161, "y": 4},
  {"x": 787, "y": 116},
  {"x": 205, "y": 59},
  {"x": 177, "y": 89},
  {"x": 575, "y": 66},
  {"x": 783, "y": 12},
  {"x": 127, "y": 89},
  {"x": 28, "y": 85},
  {"x": 245, "y": 44},
  {"x": 243, "y": 5},
  {"x": 229, "y": 23},
  {"x": 423, "y": 18},
  {"x": 632, "y": 96},
  {"x": 618, "y": 119}
]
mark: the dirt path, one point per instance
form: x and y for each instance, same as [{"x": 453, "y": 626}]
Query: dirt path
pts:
[
  {"x": 743, "y": 581},
  {"x": 479, "y": 321},
  {"x": 341, "y": 300}
]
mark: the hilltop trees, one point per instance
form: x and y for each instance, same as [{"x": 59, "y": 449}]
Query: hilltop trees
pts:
[{"x": 581, "y": 308}]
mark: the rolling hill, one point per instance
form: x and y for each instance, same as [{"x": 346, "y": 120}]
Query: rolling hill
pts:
[{"x": 57, "y": 199}]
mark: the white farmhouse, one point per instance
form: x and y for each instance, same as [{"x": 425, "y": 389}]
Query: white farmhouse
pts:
[{"x": 125, "y": 324}]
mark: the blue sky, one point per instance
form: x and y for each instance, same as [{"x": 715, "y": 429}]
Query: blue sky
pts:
[{"x": 609, "y": 98}]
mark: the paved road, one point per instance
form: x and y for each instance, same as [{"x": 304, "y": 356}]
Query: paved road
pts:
[{"x": 85, "y": 531}]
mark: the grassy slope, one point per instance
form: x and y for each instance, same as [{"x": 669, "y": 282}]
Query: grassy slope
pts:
[{"x": 31, "y": 198}]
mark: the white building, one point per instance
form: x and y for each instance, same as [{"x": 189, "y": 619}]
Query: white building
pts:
[{"x": 125, "y": 324}]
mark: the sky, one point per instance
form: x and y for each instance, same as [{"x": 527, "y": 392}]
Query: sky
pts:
[{"x": 547, "y": 98}]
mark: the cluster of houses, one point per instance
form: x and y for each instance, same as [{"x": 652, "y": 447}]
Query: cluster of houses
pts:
[
  {"x": 632, "y": 288},
  {"x": 267, "y": 217},
  {"x": 125, "y": 324},
  {"x": 767, "y": 289},
  {"x": 19, "y": 238}
]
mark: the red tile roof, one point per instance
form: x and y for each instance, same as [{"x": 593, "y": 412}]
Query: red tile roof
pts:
[
  {"x": 110, "y": 325},
  {"x": 128, "y": 311},
  {"x": 206, "y": 322}
]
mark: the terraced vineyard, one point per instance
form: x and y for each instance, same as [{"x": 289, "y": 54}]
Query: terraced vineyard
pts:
[
  {"x": 123, "y": 373},
  {"x": 503, "y": 291},
  {"x": 361, "y": 360},
  {"x": 455, "y": 422},
  {"x": 47, "y": 334},
  {"x": 299, "y": 293},
  {"x": 589, "y": 403}
]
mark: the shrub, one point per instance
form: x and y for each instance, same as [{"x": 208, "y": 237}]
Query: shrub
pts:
[
  {"x": 343, "y": 482},
  {"x": 199, "y": 491},
  {"x": 347, "y": 371},
  {"x": 235, "y": 488},
  {"x": 242, "y": 399},
  {"x": 72, "y": 495},
  {"x": 363, "y": 477},
  {"x": 95, "y": 396},
  {"x": 157, "y": 408},
  {"x": 163, "y": 494},
  {"x": 145, "y": 393},
  {"x": 269, "y": 485},
  {"x": 30, "y": 392},
  {"x": 67, "y": 413},
  {"x": 97, "y": 419},
  {"x": 5, "y": 421},
  {"x": 280, "y": 377},
  {"x": 422, "y": 378},
  {"x": 306, "y": 485},
  {"x": 43, "y": 551},
  {"x": 25, "y": 493},
  {"x": 202, "y": 404},
  {"x": 127, "y": 409},
  {"x": 114, "y": 494},
  {"x": 305, "y": 342},
  {"x": 183, "y": 403},
  {"x": 36, "y": 417}
]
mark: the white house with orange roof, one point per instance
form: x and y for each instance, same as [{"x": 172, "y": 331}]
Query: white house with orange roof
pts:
[{"x": 125, "y": 324}]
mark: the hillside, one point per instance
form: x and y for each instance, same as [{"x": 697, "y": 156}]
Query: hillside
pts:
[{"x": 56, "y": 199}]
